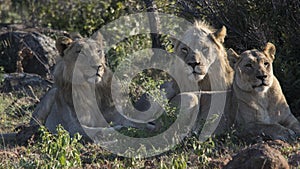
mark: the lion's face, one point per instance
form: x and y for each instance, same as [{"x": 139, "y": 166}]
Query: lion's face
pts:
[
  {"x": 253, "y": 69},
  {"x": 90, "y": 60},
  {"x": 199, "y": 48},
  {"x": 84, "y": 61}
]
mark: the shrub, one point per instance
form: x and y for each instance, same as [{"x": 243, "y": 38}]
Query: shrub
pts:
[{"x": 59, "y": 150}]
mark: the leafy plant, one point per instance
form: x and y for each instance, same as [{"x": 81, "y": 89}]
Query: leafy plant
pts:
[{"x": 60, "y": 150}]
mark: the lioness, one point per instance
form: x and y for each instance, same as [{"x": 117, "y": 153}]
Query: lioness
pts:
[{"x": 262, "y": 107}]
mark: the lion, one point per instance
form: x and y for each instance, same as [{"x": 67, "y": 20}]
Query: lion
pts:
[
  {"x": 262, "y": 108},
  {"x": 205, "y": 58},
  {"x": 81, "y": 98},
  {"x": 203, "y": 70}
]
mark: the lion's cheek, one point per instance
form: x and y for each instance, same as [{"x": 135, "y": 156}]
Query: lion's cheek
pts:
[
  {"x": 78, "y": 78},
  {"x": 189, "y": 70},
  {"x": 243, "y": 82}
]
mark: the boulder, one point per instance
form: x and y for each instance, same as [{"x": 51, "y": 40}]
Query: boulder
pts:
[
  {"x": 261, "y": 156},
  {"x": 29, "y": 52},
  {"x": 31, "y": 85}
]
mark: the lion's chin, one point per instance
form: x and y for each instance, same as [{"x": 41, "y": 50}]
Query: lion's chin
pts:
[
  {"x": 94, "y": 80},
  {"x": 196, "y": 77},
  {"x": 261, "y": 89}
]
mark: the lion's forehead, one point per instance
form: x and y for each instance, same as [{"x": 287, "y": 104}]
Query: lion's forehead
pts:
[
  {"x": 85, "y": 43},
  {"x": 89, "y": 52},
  {"x": 253, "y": 56},
  {"x": 199, "y": 43}
]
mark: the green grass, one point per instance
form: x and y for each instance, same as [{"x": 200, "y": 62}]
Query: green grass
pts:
[
  {"x": 61, "y": 151},
  {"x": 14, "y": 111}
]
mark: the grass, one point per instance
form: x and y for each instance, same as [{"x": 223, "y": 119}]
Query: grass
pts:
[
  {"x": 14, "y": 112},
  {"x": 61, "y": 151}
]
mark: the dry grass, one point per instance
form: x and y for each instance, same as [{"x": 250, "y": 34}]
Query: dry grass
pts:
[{"x": 15, "y": 110}]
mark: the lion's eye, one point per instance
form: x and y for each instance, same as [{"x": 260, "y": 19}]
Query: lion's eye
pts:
[
  {"x": 184, "y": 50},
  {"x": 99, "y": 51},
  {"x": 95, "y": 67},
  {"x": 205, "y": 49},
  {"x": 266, "y": 64},
  {"x": 248, "y": 65}
]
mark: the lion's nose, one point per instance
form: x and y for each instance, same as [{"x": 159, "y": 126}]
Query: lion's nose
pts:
[{"x": 262, "y": 77}]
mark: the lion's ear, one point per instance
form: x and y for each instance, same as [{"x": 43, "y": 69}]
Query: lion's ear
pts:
[
  {"x": 175, "y": 43},
  {"x": 97, "y": 36},
  {"x": 62, "y": 43},
  {"x": 270, "y": 50},
  {"x": 220, "y": 34},
  {"x": 75, "y": 36},
  {"x": 233, "y": 57}
]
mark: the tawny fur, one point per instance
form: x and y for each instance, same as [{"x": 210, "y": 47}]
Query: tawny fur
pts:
[
  {"x": 202, "y": 46},
  {"x": 81, "y": 98},
  {"x": 262, "y": 107}
]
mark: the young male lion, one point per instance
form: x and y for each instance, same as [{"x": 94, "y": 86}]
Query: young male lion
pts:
[
  {"x": 81, "y": 99},
  {"x": 204, "y": 78},
  {"x": 262, "y": 107},
  {"x": 205, "y": 61},
  {"x": 80, "y": 70}
]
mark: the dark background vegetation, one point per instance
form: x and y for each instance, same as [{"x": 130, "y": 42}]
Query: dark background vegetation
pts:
[{"x": 250, "y": 24}]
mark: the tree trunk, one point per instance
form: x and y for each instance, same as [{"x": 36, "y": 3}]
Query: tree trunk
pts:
[{"x": 154, "y": 23}]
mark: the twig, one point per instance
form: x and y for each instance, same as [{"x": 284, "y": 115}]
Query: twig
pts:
[{"x": 209, "y": 92}]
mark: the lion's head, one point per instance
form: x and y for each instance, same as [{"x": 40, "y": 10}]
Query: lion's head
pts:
[
  {"x": 253, "y": 68},
  {"x": 199, "y": 48},
  {"x": 82, "y": 60}
]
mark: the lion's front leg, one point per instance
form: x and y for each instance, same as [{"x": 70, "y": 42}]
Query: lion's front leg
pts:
[
  {"x": 289, "y": 120},
  {"x": 267, "y": 131},
  {"x": 43, "y": 109},
  {"x": 187, "y": 104}
]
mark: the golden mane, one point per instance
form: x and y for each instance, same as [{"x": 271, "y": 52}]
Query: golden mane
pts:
[{"x": 203, "y": 25}]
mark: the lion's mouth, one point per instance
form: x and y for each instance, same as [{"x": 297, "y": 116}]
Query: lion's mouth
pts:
[
  {"x": 198, "y": 76},
  {"x": 92, "y": 79},
  {"x": 261, "y": 85}
]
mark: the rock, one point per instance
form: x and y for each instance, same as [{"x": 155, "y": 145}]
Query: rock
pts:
[
  {"x": 29, "y": 84},
  {"x": 258, "y": 156},
  {"x": 26, "y": 133},
  {"x": 30, "y": 52}
]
